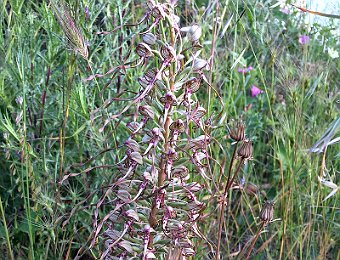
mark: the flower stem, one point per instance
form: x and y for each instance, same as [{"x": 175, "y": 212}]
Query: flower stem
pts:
[
  {"x": 162, "y": 165},
  {"x": 254, "y": 240},
  {"x": 221, "y": 217}
]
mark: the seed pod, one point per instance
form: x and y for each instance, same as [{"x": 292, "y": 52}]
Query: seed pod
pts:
[
  {"x": 246, "y": 150},
  {"x": 237, "y": 133},
  {"x": 149, "y": 38},
  {"x": 267, "y": 211}
]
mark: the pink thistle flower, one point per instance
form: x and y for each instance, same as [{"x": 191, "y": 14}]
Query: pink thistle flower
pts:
[
  {"x": 255, "y": 91},
  {"x": 304, "y": 39}
]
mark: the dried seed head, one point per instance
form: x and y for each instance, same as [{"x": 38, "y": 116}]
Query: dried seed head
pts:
[
  {"x": 149, "y": 38},
  {"x": 237, "y": 133},
  {"x": 267, "y": 211},
  {"x": 143, "y": 50},
  {"x": 69, "y": 27},
  {"x": 246, "y": 150}
]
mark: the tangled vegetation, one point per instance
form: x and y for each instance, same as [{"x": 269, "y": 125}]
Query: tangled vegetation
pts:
[{"x": 167, "y": 130}]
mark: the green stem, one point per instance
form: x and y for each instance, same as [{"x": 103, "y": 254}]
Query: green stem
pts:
[{"x": 6, "y": 231}]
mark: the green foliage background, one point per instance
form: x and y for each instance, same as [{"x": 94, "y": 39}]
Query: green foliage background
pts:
[{"x": 300, "y": 100}]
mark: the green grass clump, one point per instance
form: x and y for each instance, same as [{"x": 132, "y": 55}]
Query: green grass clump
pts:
[{"x": 58, "y": 95}]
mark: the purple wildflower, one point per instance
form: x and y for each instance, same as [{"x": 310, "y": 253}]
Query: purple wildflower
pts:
[
  {"x": 255, "y": 91},
  {"x": 304, "y": 39},
  {"x": 284, "y": 10},
  {"x": 86, "y": 13},
  {"x": 244, "y": 70}
]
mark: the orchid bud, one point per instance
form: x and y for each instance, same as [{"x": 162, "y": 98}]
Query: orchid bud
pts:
[
  {"x": 143, "y": 50},
  {"x": 177, "y": 125},
  {"x": 180, "y": 57},
  {"x": 199, "y": 64},
  {"x": 19, "y": 100},
  {"x": 143, "y": 82},
  {"x": 194, "y": 33},
  {"x": 169, "y": 98},
  {"x": 146, "y": 111},
  {"x": 149, "y": 38},
  {"x": 180, "y": 172},
  {"x": 192, "y": 84},
  {"x": 132, "y": 214},
  {"x": 132, "y": 144},
  {"x": 158, "y": 12},
  {"x": 168, "y": 53},
  {"x": 137, "y": 157},
  {"x": 150, "y": 255},
  {"x": 150, "y": 75},
  {"x": 176, "y": 19}
]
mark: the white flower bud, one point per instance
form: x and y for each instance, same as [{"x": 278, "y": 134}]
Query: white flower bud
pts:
[
  {"x": 180, "y": 57},
  {"x": 195, "y": 33}
]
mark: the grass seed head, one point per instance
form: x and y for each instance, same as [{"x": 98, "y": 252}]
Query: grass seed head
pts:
[{"x": 72, "y": 33}]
